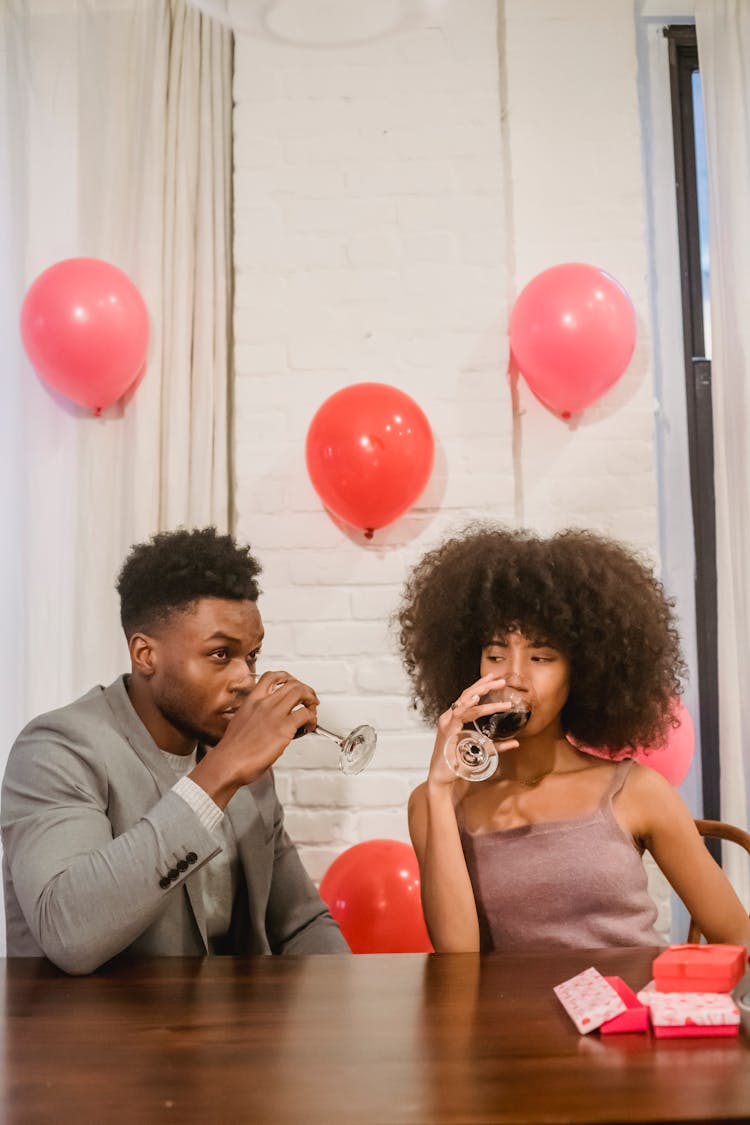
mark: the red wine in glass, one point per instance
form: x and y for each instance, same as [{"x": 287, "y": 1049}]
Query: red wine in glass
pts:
[{"x": 504, "y": 724}]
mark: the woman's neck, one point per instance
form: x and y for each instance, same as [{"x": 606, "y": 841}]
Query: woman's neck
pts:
[{"x": 537, "y": 756}]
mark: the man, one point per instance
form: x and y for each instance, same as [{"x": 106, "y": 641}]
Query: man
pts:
[{"x": 142, "y": 818}]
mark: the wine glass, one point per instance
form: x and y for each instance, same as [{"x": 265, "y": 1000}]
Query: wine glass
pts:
[
  {"x": 356, "y": 749},
  {"x": 474, "y": 756}
]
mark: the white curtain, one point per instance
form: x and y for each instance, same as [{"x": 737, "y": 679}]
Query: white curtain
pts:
[
  {"x": 117, "y": 118},
  {"x": 115, "y": 134},
  {"x": 723, "y": 30}
]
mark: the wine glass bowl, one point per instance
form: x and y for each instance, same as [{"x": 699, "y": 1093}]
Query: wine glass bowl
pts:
[{"x": 504, "y": 724}]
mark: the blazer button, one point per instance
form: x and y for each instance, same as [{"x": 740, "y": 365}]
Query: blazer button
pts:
[
  {"x": 191, "y": 857},
  {"x": 182, "y": 865},
  {"x": 173, "y": 873},
  {"x": 164, "y": 882}
]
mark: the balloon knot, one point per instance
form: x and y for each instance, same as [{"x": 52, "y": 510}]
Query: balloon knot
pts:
[
  {"x": 97, "y": 411},
  {"x": 566, "y": 414},
  {"x": 369, "y": 532}
]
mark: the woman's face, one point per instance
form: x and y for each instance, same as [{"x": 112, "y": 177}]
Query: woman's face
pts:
[{"x": 537, "y": 671}]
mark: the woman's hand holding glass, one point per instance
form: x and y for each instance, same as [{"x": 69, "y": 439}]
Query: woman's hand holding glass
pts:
[{"x": 496, "y": 712}]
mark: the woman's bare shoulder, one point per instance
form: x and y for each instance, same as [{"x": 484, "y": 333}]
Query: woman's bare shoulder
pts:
[
  {"x": 648, "y": 782},
  {"x": 650, "y": 804}
]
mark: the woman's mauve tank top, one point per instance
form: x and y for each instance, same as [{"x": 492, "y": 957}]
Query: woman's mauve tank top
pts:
[{"x": 575, "y": 883}]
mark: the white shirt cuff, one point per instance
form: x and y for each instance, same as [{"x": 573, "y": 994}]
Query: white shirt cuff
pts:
[{"x": 207, "y": 811}]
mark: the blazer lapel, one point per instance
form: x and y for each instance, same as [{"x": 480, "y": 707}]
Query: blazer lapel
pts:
[
  {"x": 151, "y": 756},
  {"x": 252, "y": 823},
  {"x": 248, "y": 827},
  {"x": 137, "y": 735}
]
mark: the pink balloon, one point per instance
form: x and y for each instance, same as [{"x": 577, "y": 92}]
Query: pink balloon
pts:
[
  {"x": 84, "y": 326},
  {"x": 673, "y": 759},
  {"x": 572, "y": 334}
]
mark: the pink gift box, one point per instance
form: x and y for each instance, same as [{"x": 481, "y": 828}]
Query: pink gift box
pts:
[
  {"x": 589, "y": 1000},
  {"x": 686, "y": 1014},
  {"x": 690, "y": 1032},
  {"x": 635, "y": 1016}
]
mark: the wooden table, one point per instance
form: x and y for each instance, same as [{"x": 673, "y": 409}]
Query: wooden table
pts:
[{"x": 363, "y": 1040}]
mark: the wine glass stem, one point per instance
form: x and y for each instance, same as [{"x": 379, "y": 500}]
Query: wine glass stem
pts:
[{"x": 327, "y": 734}]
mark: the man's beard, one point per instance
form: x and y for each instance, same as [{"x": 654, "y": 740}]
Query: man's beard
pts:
[{"x": 176, "y": 718}]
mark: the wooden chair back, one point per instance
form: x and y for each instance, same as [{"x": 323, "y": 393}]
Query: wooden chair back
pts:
[{"x": 718, "y": 830}]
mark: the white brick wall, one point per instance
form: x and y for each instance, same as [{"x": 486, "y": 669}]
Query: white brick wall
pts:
[{"x": 387, "y": 213}]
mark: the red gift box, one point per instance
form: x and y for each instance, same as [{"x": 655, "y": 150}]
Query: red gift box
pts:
[
  {"x": 699, "y": 968},
  {"x": 635, "y": 1016}
]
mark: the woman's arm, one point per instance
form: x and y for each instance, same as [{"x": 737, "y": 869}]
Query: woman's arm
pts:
[
  {"x": 667, "y": 829},
  {"x": 447, "y": 896}
]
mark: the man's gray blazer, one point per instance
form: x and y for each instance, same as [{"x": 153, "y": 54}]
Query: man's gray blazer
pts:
[{"x": 100, "y": 854}]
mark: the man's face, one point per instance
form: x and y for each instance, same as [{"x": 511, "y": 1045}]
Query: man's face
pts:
[{"x": 204, "y": 665}]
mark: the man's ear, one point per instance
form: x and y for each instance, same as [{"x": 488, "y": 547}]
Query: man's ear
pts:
[{"x": 143, "y": 654}]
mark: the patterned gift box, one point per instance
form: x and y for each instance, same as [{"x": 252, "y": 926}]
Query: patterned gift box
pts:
[
  {"x": 682, "y": 1014},
  {"x": 589, "y": 1000}
]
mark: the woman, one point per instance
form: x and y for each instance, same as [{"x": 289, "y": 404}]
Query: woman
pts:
[{"x": 548, "y": 850}]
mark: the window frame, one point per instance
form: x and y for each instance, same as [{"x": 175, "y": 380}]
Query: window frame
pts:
[{"x": 683, "y": 63}]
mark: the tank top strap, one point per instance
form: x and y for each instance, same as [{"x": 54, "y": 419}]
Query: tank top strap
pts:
[{"x": 617, "y": 781}]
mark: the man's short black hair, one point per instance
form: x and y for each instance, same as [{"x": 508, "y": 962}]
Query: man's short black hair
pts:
[{"x": 175, "y": 568}]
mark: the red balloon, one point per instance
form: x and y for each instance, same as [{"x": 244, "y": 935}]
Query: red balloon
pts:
[
  {"x": 572, "y": 334},
  {"x": 369, "y": 453},
  {"x": 673, "y": 759},
  {"x": 84, "y": 326},
  {"x": 372, "y": 890}
]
